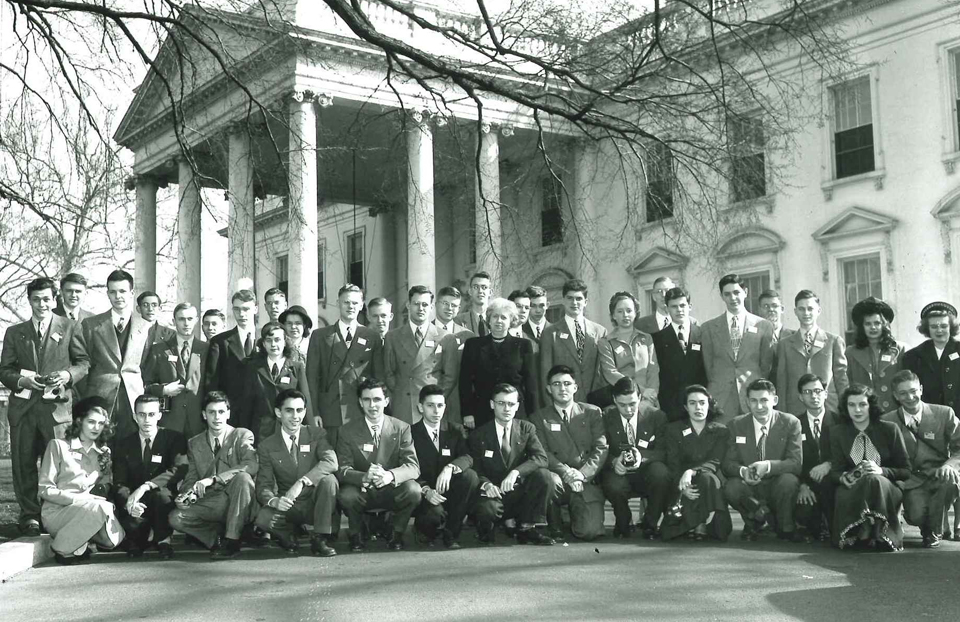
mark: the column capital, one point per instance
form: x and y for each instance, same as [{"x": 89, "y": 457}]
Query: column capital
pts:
[
  {"x": 131, "y": 182},
  {"x": 301, "y": 96},
  {"x": 488, "y": 127}
]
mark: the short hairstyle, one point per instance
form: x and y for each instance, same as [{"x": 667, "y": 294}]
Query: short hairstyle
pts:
[
  {"x": 146, "y": 399},
  {"x": 146, "y": 294},
  {"x": 479, "y": 275},
  {"x": 768, "y": 293},
  {"x": 574, "y": 285},
  {"x": 348, "y": 288},
  {"x": 559, "y": 370},
  {"x": 807, "y": 379},
  {"x": 535, "y": 291},
  {"x": 517, "y": 293},
  {"x": 430, "y": 389},
  {"x": 904, "y": 375},
  {"x": 674, "y": 293},
  {"x": 269, "y": 327},
  {"x": 617, "y": 297},
  {"x": 214, "y": 397},
  {"x": 805, "y": 294},
  {"x": 182, "y": 306},
  {"x": 450, "y": 291},
  {"x": 273, "y": 291},
  {"x": 418, "y": 290},
  {"x": 210, "y": 313},
  {"x": 713, "y": 409},
  {"x": 761, "y": 384},
  {"x": 120, "y": 275},
  {"x": 731, "y": 279},
  {"x": 369, "y": 383},
  {"x": 73, "y": 277},
  {"x": 503, "y": 388},
  {"x": 859, "y": 389},
  {"x": 625, "y": 386},
  {"x": 83, "y": 409},
  {"x": 41, "y": 284},
  {"x": 288, "y": 394},
  {"x": 661, "y": 279},
  {"x": 379, "y": 301},
  {"x": 502, "y": 305},
  {"x": 924, "y": 326},
  {"x": 243, "y": 295}
]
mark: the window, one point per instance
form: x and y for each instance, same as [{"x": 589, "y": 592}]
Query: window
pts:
[
  {"x": 282, "y": 273},
  {"x": 853, "y": 128},
  {"x": 748, "y": 177},
  {"x": 555, "y": 313},
  {"x": 321, "y": 276},
  {"x": 551, "y": 215},
  {"x": 955, "y": 95},
  {"x": 355, "y": 259},
  {"x": 756, "y": 283},
  {"x": 860, "y": 278},
  {"x": 472, "y": 241},
  {"x": 660, "y": 182}
]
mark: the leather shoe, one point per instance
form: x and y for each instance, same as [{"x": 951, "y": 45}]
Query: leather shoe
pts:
[
  {"x": 395, "y": 543},
  {"x": 30, "y": 528},
  {"x": 533, "y": 536},
  {"x": 165, "y": 550},
  {"x": 749, "y": 533},
  {"x": 357, "y": 544},
  {"x": 650, "y": 533},
  {"x": 320, "y": 547},
  {"x": 66, "y": 560},
  {"x": 228, "y": 548},
  {"x": 288, "y": 543},
  {"x": 486, "y": 533},
  {"x": 134, "y": 550},
  {"x": 450, "y": 541},
  {"x": 931, "y": 541}
]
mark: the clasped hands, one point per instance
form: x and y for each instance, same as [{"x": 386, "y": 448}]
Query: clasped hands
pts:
[
  {"x": 57, "y": 380},
  {"x": 753, "y": 474},
  {"x": 507, "y": 485},
  {"x": 377, "y": 476}
]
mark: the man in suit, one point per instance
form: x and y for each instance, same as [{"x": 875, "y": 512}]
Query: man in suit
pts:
[
  {"x": 932, "y": 435},
  {"x": 810, "y": 350},
  {"x": 296, "y": 480},
  {"x": 115, "y": 341},
  {"x": 147, "y": 467},
  {"x": 219, "y": 488},
  {"x": 274, "y": 303},
  {"x": 573, "y": 437},
  {"x": 736, "y": 345},
  {"x": 660, "y": 318},
  {"x": 521, "y": 299},
  {"x": 574, "y": 341},
  {"x": 213, "y": 323},
  {"x": 378, "y": 466},
  {"x": 537, "y": 322},
  {"x": 73, "y": 287},
  {"x": 475, "y": 318},
  {"x": 514, "y": 480},
  {"x": 174, "y": 371},
  {"x": 229, "y": 350},
  {"x": 679, "y": 352},
  {"x": 379, "y": 317},
  {"x": 447, "y": 308},
  {"x": 771, "y": 309},
  {"x": 148, "y": 306},
  {"x": 816, "y": 494},
  {"x": 40, "y": 364},
  {"x": 448, "y": 486},
  {"x": 637, "y": 466},
  {"x": 763, "y": 464},
  {"x": 338, "y": 358},
  {"x": 417, "y": 354}
]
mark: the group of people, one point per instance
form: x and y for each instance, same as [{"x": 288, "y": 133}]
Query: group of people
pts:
[{"x": 490, "y": 415}]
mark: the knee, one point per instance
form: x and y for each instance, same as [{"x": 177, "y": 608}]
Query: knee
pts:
[
  {"x": 468, "y": 478},
  {"x": 733, "y": 490},
  {"x": 176, "y": 519},
  {"x": 658, "y": 472},
  {"x": 328, "y": 485},
  {"x": 241, "y": 481},
  {"x": 787, "y": 483},
  {"x": 264, "y": 519},
  {"x": 541, "y": 478},
  {"x": 615, "y": 485},
  {"x": 409, "y": 491},
  {"x": 349, "y": 496}
]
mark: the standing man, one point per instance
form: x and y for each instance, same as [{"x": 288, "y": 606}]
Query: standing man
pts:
[
  {"x": 73, "y": 287},
  {"x": 148, "y": 306},
  {"x": 574, "y": 440},
  {"x": 679, "y": 349},
  {"x": 816, "y": 495},
  {"x": 660, "y": 318},
  {"x": 810, "y": 350},
  {"x": 448, "y": 306},
  {"x": 115, "y": 342},
  {"x": 475, "y": 318},
  {"x": 338, "y": 358},
  {"x": 574, "y": 342},
  {"x": 416, "y": 355},
  {"x": 40, "y": 363},
  {"x": 520, "y": 298},
  {"x": 213, "y": 323},
  {"x": 771, "y": 309},
  {"x": 379, "y": 317},
  {"x": 275, "y": 303},
  {"x": 229, "y": 350},
  {"x": 537, "y": 322},
  {"x": 378, "y": 466},
  {"x": 735, "y": 343}
]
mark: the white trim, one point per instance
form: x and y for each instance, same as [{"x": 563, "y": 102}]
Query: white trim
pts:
[{"x": 947, "y": 57}]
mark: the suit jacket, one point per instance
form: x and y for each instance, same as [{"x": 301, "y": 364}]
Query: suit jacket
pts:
[
  {"x": 157, "y": 333},
  {"x": 827, "y": 360},
  {"x": 236, "y": 455},
  {"x": 485, "y": 364},
  {"x": 59, "y": 351},
  {"x": 650, "y": 440},
  {"x": 815, "y": 451},
  {"x": 679, "y": 368},
  {"x": 755, "y": 356},
  {"x": 862, "y": 370},
  {"x": 453, "y": 450},
  {"x": 277, "y": 471},
  {"x": 411, "y": 367},
  {"x": 886, "y": 438},
  {"x": 81, "y": 315},
  {"x": 940, "y": 378},
  {"x": 647, "y": 324},
  {"x": 260, "y": 391},
  {"x": 453, "y": 412},
  {"x": 784, "y": 333},
  {"x": 167, "y": 467},
  {"x": 526, "y": 455},
  {"x": 469, "y": 320},
  {"x": 784, "y": 448},
  {"x": 578, "y": 445},
  {"x": 686, "y": 449},
  {"x": 108, "y": 367},
  {"x": 396, "y": 453},
  {"x": 225, "y": 369},
  {"x": 333, "y": 372},
  {"x": 936, "y": 443},
  {"x": 161, "y": 368},
  {"x": 559, "y": 347},
  {"x": 636, "y": 360}
]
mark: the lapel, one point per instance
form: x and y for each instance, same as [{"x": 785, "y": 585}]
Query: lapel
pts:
[
  {"x": 908, "y": 437},
  {"x": 387, "y": 432},
  {"x": 928, "y": 353},
  {"x": 819, "y": 342},
  {"x": 206, "y": 460},
  {"x": 108, "y": 335},
  {"x": 723, "y": 334},
  {"x": 407, "y": 341},
  {"x": 751, "y": 434},
  {"x": 430, "y": 335},
  {"x": 863, "y": 358},
  {"x": 571, "y": 341},
  {"x": 233, "y": 342},
  {"x": 29, "y": 343},
  {"x": 747, "y": 336},
  {"x": 138, "y": 330},
  {"x": 928, "y": 423}
]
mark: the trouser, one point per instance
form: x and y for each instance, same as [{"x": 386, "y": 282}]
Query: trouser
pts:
[
  {"x": 527, "y": 502},
  {"x": 586, "y": 509},
  {"x": 314, "y": 507},
  {"x": 122, "y": 416},
  {"x": 159, "y": 502},
  {"x": 402, "y": 500},
  {"x": 779, "y": 493},
  {"x": 28, "y": 441},
  {"x": 429, "y": 519},
  {"x": 814, "y": 517},
  {"x": 228, "y": 507},
  {"x": 924, "y": 505},
  {"x": 651, "y": 481}
]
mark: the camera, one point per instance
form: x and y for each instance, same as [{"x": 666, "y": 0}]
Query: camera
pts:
[
  {"x": 100, "y": 490},
  {"x": 186, "y": 498},
  {"x": 857, "y": 473},
  {"x": 627, "y": 457},
  {"x": 676, "y": 510}
]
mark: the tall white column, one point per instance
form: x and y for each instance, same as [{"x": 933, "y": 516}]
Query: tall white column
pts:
[
  {"x": 302, "y": 225},
  {"x": 421, "y": 230},
  {"x": 188, "y": 235},
  {"x": 240, "y": 250},
  {"x": 489, "y": 234},
  {"x": 145, "y": 236}
]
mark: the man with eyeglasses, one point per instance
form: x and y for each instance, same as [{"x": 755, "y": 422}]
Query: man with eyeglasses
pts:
[
  {"x": 572, "y": 434},
  {"x": 515, "y": 483},
  {"x": 660, "y": 318},
  {"x": 475, "y": 318},
  {"x": 815, "y": 499}
]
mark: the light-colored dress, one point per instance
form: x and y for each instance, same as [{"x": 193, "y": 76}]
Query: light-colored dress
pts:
[{"x": 69, "y": 511}]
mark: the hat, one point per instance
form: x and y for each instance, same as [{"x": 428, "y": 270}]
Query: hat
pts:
[
  {"x": 871, "y": 306},
  {"x": 82, "y": 407},
  {"x": 299, "y": 311},
  {"x": 940, "y": 308}
]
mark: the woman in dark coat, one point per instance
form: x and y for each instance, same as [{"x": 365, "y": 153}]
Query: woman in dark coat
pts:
[{"x": 936, "y": 361}]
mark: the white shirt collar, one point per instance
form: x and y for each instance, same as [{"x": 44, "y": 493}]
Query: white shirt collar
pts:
[
  {"x": 280, "y": 360},
  {"x": 76, "y": 445},
  {"x": 572, "y": 324},
  {"x": 211, "y": 438},
  {"x": 370, "y": 426},
  {"x": 243, "y": 334},
  {"x": 116, "y": 317},
  {"x": 286, "y": 437},
  {"x": 181, "y": 340},
  {"x": 661, "y": 317},
  {"x": 741, "y": 318},
  {"x": 144, "y": 438},
  {"x": 632, "y": 421},
  {"x": 447, "y": 327},
  {"x": 500, "y": 428},
  {"x": 343, "y": 327},
  {"x": 685, "y": 327},
  {"x": 812, "y": 417},
  {"x": 423, "y": 328},
  {"x": 541, "y": 325},
  {"x": 560, "y": 410},
  {"x": 430, "y": 430},
  {"x": 44, "y": 325},
  {"x": 515, "y": 332},
  {"x": 757, "y": 425},
  {"x": 907, "y": 417}
]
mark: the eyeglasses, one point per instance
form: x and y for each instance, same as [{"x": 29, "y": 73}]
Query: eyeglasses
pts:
[
  {"x": 482, "y": 288},
  {"x": 811, "y": 392},
  {"x": 506, "y": 404},
  {"x": 566, "y": 384}
]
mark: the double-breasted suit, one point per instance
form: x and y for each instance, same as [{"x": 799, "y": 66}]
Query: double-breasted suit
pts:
[
  {"x": 260, "y": 391},
  {"x": 723, "y": 368},
  {"x": 485, "y": 364},
  {"x": 451, "y": 449},
  {"x": 163, "y": 366},
  {"x": 156, "y": 334},
  {"x": 411, "y": 366},
  {"x": 334, "y": 371},
  {"x": 876, "y": 371},
  {"x": 679, "y": 367},
  {"x": 826, "y": 360},
  {"x": 558, "y": 346},
  {"x": 940, "y": 378},
  {"x": 225, "y": 370}
]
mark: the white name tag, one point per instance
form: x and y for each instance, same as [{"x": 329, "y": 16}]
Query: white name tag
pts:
[
  {"x": 953, "y": 356},
  {"x": 929, "y": 436},
  {"x": 361, "y": 341},
  {"x": 304, "y": 447},
  {"x": 803, "y": 437},
  {"x": 818, "y": 344},
  {"x": 564, "y": 335},
  {"x": 488, "y": 453},
  {"x": 751, "y": 329},
  {"x": 25, "y": 394},
  {"x": 367, "y": 447},
  {"x": 172, "y": 358},
  {"x": 458, "y": 340},
  {"x": 554, "y": 427},
  {"x": 285, "y": 380},
  {"x": 695, "y": 347},
  {"x": 687, "y": 432},
  {"x": 652, "y": 438},
  {"x": 430, "y": 344},
  {"x": 741, "y": 440},
  {"x": 156, "y": 459},
  {"x": 886, "y": 358},
  {"x": 444, "y": 452},
  {"x": 56, "y": 337},
  {"x": 642, "y": 444},
  {"x": 619, "y": 350}
]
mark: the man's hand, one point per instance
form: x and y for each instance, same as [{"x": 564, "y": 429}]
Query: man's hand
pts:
[
  {"x": 577, "y": 486},
  {"x": 871, "y": 467},
  {"x": 201, "y": 486},
  {"x": 58, "y": 379},
  {"x": 761, "y": 468},
  {"x": 294, "y": 491},
  {"x": 385, "y": 478},
  {"x": 469, "y": 422},
  {"x": 173, "y": 389},
  {"x": 282, "y": 503},
  {"x": 443, "y": 479},
  {"x": 948, "y": 474},
  {"x": 820, "y": 471},
  {"x": 433, "y": 497},
  {"x": 372, "y": 473},
  {"x": 31, "y": 383},
  {"x": 573, "y": 475},
  {"x": 637, "y": 459},
  {"x": 691, "y": 492},
  {"x": 134, "y": 507},
  {"x": 686, "y": 480},
  {"x": 748, "y": 476},
  {"x": 806, "y": 496},
  {"x": 491, "y": 491},
  {"x": 618, "y": 467},
  {"x": 510, "y": 481},
  {"x": 847, "y": 479}
]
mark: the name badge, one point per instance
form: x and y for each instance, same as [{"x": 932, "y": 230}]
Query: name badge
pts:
[
  {"x": 554, "y": 427},
  {"x": 818, "y": 344},
  {"x": 444, "y": 452},
  {"x": 458, "y": 340},
  {"x": 642, "y": 444},
  {"x": 619, "y": 350},
  {"x": 361, "y": 341},
  {"x": 695, "y": 347},
  {"x": 886, "y": 358},
  {"x": 172, "y": 358},
  {"x": 304, "y": 447},
  {"x": 741, "y": 440},
  {"x": 953, "y": 356},
  {"x": 803, "y": 437},
  {"x": 438, "y": 350},
  {"x": 564, "y": 335},
  {"x": 367, "y": 447},
  {"x": 687, "y": 432},
  {"x": 56, "y": 337},
  {"x": 488, "y": 453},
  {"x": 929, "y": 436},
  {"x": 285, "y": 380},
  {"x": 430, "y": 344},
  {"x": 751, "y": 329},
  {"x": 156, "y": 459}
]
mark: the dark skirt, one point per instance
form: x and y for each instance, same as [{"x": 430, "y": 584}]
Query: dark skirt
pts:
[
  {"x": 872, "y": 497},
  {"x": 695, "y": 511}
]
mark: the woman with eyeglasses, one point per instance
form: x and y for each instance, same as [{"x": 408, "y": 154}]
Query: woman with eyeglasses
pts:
[
  {"x": 874, "y": 356},
  {"x": 627, "y": 352}
]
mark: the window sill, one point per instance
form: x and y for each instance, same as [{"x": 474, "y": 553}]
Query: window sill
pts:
[
  {"x": 950, "y": 161},
  {"x": 876, "y": 176},
  {"x": 766, "y": 202}
]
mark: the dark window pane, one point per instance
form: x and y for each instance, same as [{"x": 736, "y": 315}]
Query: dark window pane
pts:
[
  {"x": 854, "y": 151},
  {"x": 749, "y": 178},
  {"x": 861, "y": 278},
  {"x": 355, "y": 255},
  {"x": 551, "y": 215},
  {"x": 660, "y": 183}
]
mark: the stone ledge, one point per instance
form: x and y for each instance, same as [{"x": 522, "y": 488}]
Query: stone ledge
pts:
[{"x": 22, "y": 554}]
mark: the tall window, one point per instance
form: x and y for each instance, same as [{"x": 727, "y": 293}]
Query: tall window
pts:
[
  {"x": 853, "y": 128},
  {"x": 472, "y": 239},
  {"x": 551, "y": 215},
  {"x": 955, "y": 95},
  {"x": 355, "y": 259},
  {"x": 748, "y": 177},
  {"x": 756, "y": 283},
  {"x": 282, "y": 272},
  {"x": 861, "y": 278},
  {"x": 660, "y": 183},
  {"x": 321, "y": 276}
]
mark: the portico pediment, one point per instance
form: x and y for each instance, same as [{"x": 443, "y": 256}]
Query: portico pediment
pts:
[
  {"x": 658, "y": 259},
  {"x": 855, "y": 221},
  {"x": 750, "y": 241}
]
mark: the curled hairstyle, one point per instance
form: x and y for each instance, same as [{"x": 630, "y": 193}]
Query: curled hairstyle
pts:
[
  {"x": 37, "y": 285},
  {"x": 617, "y": 297},
  {"x": 502, "y": 305},
  {"x": 887, "y": 342},
  {"x": 83, "y": 409},
  {"x": 675, "y": 292},
  {"x": 574, "y": 285},
  {"x": 369, "y": 383},
  {"x": 924, "y": 326},
  {"x": 713, "y": 409},
  {"x": 859, "y": 389}
]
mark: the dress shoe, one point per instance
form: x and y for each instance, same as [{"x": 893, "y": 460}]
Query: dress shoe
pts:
[
  {"x": 134, "y": 550},
  {"x": 791, "y": 536},
  {"x": 320, "y": 547},
  {"x": 357, "y": 544},
  {"x": 533, "y": 536},
  {"x": 424, "y": 539},
  {"x": 228, "y": 548},
  {"x": 66, "y": 560},
  {"x": 165, "y": 550},
  {"x": 622, "y": 531},
  {"x": 486, "y": 533},
  {"x": 30, "y": 528},
  {"x": 254, "y": 536},
  {"x": 931, "y": 541},
  {"x": 395, "y": 543},
  {"x": 650, "y": 533},
  {"x": 287, "y": 543},
  {"x": 450, "y": 541},
  {"x": 510, "y": 530}
]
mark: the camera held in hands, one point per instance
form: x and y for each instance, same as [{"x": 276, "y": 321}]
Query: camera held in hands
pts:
[
  {"x": 186, "y": 498},
  {"x": 627, "y": 457}
]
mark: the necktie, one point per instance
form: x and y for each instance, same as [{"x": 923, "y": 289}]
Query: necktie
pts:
[
  {"x": 146, "y": 452},
  {"x": 913, "y": 424},
  {"x": 538, "y": 333},
  {"x": 40, "y": 332},
  {"x": 863, "y": 449},
  {"x": 71, "y": 316},
  {"x": 666, "y": 321},
  {"x": 808, "y": 343},
  {"x": 349, "y": 338},
  {"x": 248, "y": 344},
  {"x": 376, "y": 435},
  {"x": 735, "y": 335},
  {"x": 216, "y": 453},
  {"x": 419, "y": 337},
  {"x": 683, "y": 344},
  {"x": 216, "y": 446},
  {"x": 294, "y": 450},
  {"x": 120, "y": 326},
  {"x": 762, "y": 443},
  {"x": 816, "y": 429},
  {"x": 482, "y": 326},
  {"x": 579, "y": 336},
  {"x": 631, "y": 434},
  {"x": 436, "y": 440},
  {"x": 563, "y": 415},
  {"x": 274, "y": 371},
  {"x": 184, "y": 358},
  {"x": 505, "y": 445}
]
